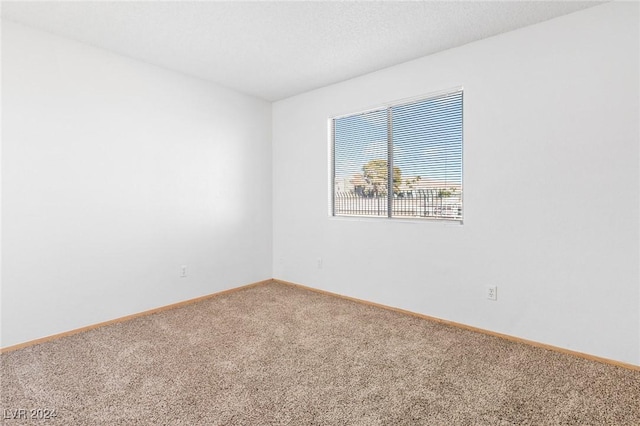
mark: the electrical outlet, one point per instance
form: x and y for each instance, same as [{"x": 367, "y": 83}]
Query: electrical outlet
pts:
[
  {"x": 319, "y": 262},
  {"x": 183, "y": 271},
  {"x": 492, "y": 292}
]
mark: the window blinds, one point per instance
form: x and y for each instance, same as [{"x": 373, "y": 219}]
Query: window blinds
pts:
[{"x": 400, "y": 161}]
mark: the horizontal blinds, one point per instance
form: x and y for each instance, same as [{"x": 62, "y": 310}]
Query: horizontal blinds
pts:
[
  {"x": 360, "y": 158},
  {"x": 427, "y": 142},
  {"x": 427, "y": 153},
  {"x": 426, "y": 157}
]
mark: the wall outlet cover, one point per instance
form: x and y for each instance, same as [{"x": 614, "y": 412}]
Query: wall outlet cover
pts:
[{"x": 492, "y": 292}]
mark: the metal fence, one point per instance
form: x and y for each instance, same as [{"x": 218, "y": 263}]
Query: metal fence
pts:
[{"x": 424, "y": 203}]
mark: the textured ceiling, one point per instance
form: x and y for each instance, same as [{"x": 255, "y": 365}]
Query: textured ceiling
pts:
[{"x": 274, "y": 50}]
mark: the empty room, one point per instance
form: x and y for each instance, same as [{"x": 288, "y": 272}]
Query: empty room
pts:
[{"x": 320, "y": 213}]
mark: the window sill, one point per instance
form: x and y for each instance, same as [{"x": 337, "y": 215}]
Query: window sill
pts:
[{"x": 446, "y": 222}]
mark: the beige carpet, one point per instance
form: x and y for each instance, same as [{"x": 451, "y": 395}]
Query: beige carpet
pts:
[{"x": 279, "y": 355}]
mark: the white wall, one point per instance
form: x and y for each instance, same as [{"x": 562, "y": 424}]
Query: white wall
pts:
[
  {"x": 115, "y": 173},
  {"x": 552, "y": 188}
]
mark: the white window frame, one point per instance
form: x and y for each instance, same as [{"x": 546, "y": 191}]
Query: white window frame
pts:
[{"x": 387, "y": 106}]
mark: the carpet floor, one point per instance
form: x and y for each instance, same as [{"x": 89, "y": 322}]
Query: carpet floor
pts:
[{"x": 280, "y": 355}]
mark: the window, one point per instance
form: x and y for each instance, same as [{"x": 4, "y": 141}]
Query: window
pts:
[{"x": 400, "y": 161}]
